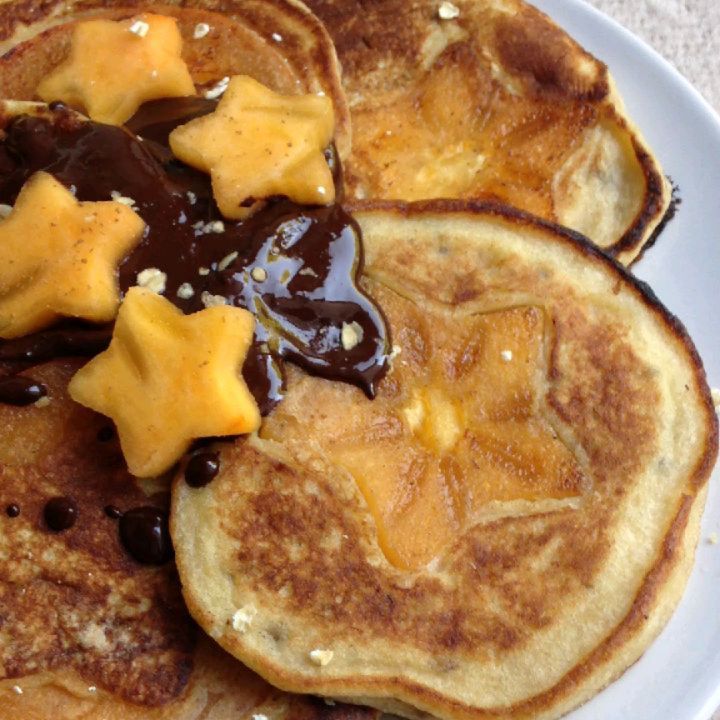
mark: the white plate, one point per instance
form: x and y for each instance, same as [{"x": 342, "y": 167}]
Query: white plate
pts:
[{"x": 678, "y": 678}]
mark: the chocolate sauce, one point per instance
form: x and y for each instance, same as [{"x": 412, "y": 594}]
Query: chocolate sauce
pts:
[
  {"x": 70, "y": 339},
  {"x": 145, "y": 535},
  {"x": 307, "y": 258},
  {"x": 201, "y": 468},
  {"x": 60, "y": 513},
  {"x": 18, "y": 390},
  {"x": 114, "y": 513},
  {"x": 106, "y": 434},
  {"x": 12, "y": 510}
]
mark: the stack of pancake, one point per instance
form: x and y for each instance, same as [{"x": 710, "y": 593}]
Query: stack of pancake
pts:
[{"x": 508, "y": 524}]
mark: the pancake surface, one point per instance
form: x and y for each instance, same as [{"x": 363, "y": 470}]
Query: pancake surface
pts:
[
  {"x": 483, "y": 582},
  {"x": 496, "y": 103},
  {"x": 86, "y": 631}
]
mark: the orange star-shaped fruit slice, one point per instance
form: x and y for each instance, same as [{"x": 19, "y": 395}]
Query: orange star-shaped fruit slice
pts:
[
  {"x": 258, "y": 143},
  {"x": 59, "y": 257},
  {"x": 168, "y": 378},
  {"x": 115, "y": 66}
]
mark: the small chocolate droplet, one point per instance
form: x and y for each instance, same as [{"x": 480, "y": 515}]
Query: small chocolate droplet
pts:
[
  {"x": 202, "y": 468},
  {"x": 106, "y": 433},
  {"x": 144, "y": 533},
  {"x": 114, "y": 513},
  {"x": 12, "y": 510},
  {"x": 60, "y": 513},
  {"x": 20, "y": 391}
]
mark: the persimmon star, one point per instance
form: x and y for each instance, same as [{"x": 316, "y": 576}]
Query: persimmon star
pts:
[
  {"x": 258, "y": 143},
  {"x": 116, "y": 66},
  {"x": 59, "y": 257},
  {"x": 168, "y": 378}
]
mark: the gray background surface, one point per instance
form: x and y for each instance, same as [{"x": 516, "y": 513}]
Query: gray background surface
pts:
[{"x": 685, "y": 32}]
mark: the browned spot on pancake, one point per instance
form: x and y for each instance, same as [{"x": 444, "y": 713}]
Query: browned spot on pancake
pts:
[
  {"x": 605, "y": 392},
  {"x": 547, "y": 57},
  {"x": 75, "y": 599},
  {"x": 494, "y": 562}
]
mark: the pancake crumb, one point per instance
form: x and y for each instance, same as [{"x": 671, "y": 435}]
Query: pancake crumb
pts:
[
  {"x": 201, "y": 30},
  {"x": 351, "y": 335},
  {"x": 259, "y": 274},
  {"x": 217, "y": 90},
  {"x": 448, "y": 11},
  {"x": 117, "y": 196},
  {"x": 209, "y": 300},
  {"x": 185, "y": 291},
  {"x": 152, "y": 279},
  {"x": 242, "y": 618},
  {"x": 139, "y": 28},
  {"x": 321, "y": 657},
  {"x": 228, "y": 260}
]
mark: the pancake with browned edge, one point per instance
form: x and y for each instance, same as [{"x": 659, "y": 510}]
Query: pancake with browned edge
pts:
[
  {"x": 86, "y": 630},
  {"x": 507, "y": 526},
  {"x": 499, "y": 103}
]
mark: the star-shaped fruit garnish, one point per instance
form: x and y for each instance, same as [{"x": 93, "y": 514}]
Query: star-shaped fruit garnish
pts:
[
  {"x": 456, "y": 434},
  {"x": 169, "y": 378},
  {"x": 59, "y": 257},
  {"x": 258, "y": 144},
  {"x": 116, "y": 66}
]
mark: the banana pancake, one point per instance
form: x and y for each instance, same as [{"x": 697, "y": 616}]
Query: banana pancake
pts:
[
  {"x": 279, "y": 43},
  {"x": 87, "y": 630},
  {"x": 507, "y": 526},
  {"x": 490, "y": 99}
]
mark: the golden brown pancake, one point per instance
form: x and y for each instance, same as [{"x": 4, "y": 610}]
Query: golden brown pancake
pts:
[
  {"x": 35, "y": 38},
  {"x": 85, "y": 630},
  {"x": 507, "y": 526},
  {"x": 496, "y": 103}
]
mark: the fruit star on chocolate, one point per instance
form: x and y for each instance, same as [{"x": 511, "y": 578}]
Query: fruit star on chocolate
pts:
[
  {"x": 258, "y": 144},
  {"x": 114, "y": 67},
  {"x": 168, "y": 378},
  {"x": 59, "y": 257}
]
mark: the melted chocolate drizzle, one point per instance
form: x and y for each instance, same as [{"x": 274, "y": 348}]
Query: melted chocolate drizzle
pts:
[
  {"x": 306, "y": 260},
  {"x": 60, "y": 513},
  {"x": 145, "y": 535},
  {"x": 201, "y": 468},
  {"x": 18, "y": 390}
]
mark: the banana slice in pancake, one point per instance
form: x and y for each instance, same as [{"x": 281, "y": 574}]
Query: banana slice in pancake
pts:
[
  {"x": 86, "y": 630},
  {"x": 494, "y": 102},
  {"x": 282, "y": 45},
  {"x": 512, "y": 520}
]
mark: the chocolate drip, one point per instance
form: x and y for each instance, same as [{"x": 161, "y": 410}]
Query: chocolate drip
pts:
[
  {"x": 145, "y": 535},
  {"x": 60, "y": 513},
  {"x": 307, "y": 259},
  {"x": 21, "y": 391},
  {"x": 201, "y": 468},
  {"x": 71, "y": 339}
]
